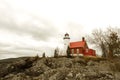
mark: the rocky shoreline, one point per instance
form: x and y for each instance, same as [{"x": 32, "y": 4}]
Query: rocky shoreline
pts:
[{"x": 35, "y": 68}]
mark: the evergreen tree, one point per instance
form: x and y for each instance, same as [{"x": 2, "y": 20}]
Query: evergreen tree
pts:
[
  {"x": 37, "y": 57},
  {"x": 113, "y": 44},
  {"x": 68, "y": 52},
  {"x": 43, "y": 55},
  {"x": 56, "y": 53}
]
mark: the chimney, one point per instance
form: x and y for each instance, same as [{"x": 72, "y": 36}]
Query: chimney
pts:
[{"x": 83, "y": 39}]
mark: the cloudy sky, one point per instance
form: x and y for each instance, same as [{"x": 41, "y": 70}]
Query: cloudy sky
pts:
[{"x": 30, "y": 27}]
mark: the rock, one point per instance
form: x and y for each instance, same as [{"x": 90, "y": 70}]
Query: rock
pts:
[
  {"x": 117, "y": 76},
  {"x": 78, "y": 76},
  {"x": 59, "y": 69},
  {"x": 21, "y": 76},
  {"x": 79, "y": 60},
  {"x": 70, "y": 74},
  {"x": 90, "y": 63}
]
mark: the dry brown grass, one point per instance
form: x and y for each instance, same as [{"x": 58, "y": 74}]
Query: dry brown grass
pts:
[{"x": 93, "y": 58}]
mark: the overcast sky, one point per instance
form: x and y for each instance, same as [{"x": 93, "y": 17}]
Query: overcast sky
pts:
[{"x": 30, "y": 27}]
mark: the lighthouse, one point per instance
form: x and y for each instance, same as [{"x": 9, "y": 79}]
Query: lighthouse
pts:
[{"x": 66, "y": 39}]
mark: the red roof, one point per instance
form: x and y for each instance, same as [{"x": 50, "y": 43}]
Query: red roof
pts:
[{"x": 77, "y": 44}]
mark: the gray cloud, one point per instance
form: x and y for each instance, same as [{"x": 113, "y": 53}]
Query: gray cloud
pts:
[
  {"x": 4, "y": 45},
  {"x": 41, "y": 31},
  {"x": 36, "y": 31}
]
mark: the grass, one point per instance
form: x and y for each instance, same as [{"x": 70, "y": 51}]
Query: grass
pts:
[{"x": 93, "y": 58}]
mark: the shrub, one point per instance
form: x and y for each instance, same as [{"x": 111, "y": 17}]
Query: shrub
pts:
[{"x": 43, "y": 55}]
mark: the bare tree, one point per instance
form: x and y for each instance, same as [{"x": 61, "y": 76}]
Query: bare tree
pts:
[
  {"x": 98, "y": 38},
  {"x": 108, "y": 41}
]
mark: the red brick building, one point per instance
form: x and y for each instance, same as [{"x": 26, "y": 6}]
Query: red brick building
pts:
[{"x": 81, "y": 48}]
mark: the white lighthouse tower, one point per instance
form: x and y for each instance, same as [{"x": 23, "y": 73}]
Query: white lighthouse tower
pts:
[{"x": 66, "y": 43}]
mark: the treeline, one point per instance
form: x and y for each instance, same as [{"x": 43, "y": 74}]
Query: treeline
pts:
[
  {"x": 107, "y": 40},
  {"x": 57, "y": 53}
]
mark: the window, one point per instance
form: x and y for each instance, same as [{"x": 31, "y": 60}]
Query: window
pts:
[
  {"x": 77, "y": 51},
  {"x": 72, "y": 51},
  {"x": 86, "y": 50}
]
